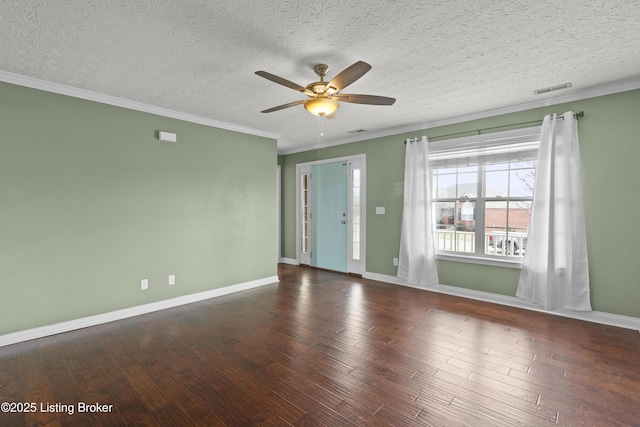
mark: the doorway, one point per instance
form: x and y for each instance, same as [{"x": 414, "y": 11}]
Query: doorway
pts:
[{"x": 330, "y": 202}]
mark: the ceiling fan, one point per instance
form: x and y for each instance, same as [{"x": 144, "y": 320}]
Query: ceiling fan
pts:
[{"x": 325, "y": 96}]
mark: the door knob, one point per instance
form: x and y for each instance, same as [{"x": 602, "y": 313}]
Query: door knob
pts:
[{"x": 344, "y": 222}]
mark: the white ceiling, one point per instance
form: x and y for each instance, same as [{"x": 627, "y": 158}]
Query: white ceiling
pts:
[{"x": 441, "y": 59}]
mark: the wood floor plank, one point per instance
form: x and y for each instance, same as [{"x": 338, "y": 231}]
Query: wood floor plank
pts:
[
  {"x": 215, "y": 401},
  {"x": 170, "y": 416},
  {"x": 473, "y": 392},
  {"x": 32, "y": 370},
  {"x": 63, "y": 386},
  {"x": 324, "y": 349},
  {"x": 127, "y": 402},
  {"x": 187, "y": 402},
  {"x": 11, "y": 385},
  {"x": 89, "y": 364},
  {"x": 42, "y": 397},
  {"x": 317, "y": 402},
  {"x": 150, "y": 394},
  {"x": 262, "y": 393}
]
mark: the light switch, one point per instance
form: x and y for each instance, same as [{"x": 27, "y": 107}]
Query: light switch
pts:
[{"x": 380, "y": 210}]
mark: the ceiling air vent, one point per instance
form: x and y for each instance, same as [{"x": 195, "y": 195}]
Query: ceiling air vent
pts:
[{"x": 552, "y": 89}]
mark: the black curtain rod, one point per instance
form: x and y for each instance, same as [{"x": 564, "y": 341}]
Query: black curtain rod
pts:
[{"x": 577, "y": 115}]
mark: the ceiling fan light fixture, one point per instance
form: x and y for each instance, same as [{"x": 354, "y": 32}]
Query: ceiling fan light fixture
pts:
[
  {"x": 325, "y": 96},
  {"x": 321, "y": 106}
]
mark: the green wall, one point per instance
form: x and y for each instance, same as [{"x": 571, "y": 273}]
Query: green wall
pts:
[
  {"x": 610, "y": 147},
  {"x": 93, "y": 202}
]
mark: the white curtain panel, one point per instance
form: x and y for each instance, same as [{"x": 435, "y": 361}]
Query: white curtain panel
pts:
[
  {"x": 417, "y": 262},
  {"x": 555, "y": 271}
]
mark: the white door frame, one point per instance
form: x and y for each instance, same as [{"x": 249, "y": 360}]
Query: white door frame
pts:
[
  {"x": 353, "y": 266},
  {"x": 278, "y": 213}
]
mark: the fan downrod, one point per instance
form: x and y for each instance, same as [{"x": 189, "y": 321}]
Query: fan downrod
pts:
[{"x": 321, "y": 70}]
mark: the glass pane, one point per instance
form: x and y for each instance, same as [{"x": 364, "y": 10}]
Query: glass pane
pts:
[
  {"x": 356, "y": 247},
  {"x": 518, "y": 228},
  {"x": 465, "y": 226},
  {"x": 522, "y": 182},
  {"x": 304, "y": 213},
  {"x": 451, "y": 232},
  {"x": 445, "y": 214},
  {"x": 497, "y": 184},
  {"x": 507, "y": 227},
  {"x": 465, "y": 241},
  {"x": 520, "y": 216},
  {"x": 446, "y": 186},
  {"x": 444, "y": 217},
  {"x": 495, "y": 227},
  {"x": 355, "y": 240},
  {"x": 467, "y": 184},
  {"x": 355, "y": 216}
]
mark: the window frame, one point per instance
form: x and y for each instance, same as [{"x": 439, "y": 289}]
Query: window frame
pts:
[{"x": 480, "y": 200}]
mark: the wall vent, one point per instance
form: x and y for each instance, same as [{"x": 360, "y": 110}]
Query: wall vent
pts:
[{"x": 552, "y": 89}]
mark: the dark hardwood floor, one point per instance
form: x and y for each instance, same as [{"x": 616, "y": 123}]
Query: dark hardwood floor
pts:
[{"x": 325, "y": 349}]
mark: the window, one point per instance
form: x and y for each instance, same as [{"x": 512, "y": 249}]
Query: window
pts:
[
  {"x": 466, "y": 212},
  {"x": 482, "y": 190}
]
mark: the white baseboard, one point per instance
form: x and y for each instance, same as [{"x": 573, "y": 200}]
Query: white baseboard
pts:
[
  {"x": 98, "y": 319},
  {"x": 611, "y": 319},
  {"x": 290, "y": 261}
]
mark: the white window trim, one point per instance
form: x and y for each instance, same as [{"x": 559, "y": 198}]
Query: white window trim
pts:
[
  {"x": 480, "y": 259},
  {"x": 505, "y": 137}
]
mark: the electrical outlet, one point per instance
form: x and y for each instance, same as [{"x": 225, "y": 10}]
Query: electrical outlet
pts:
[
  {"x": 395, "y": 262},
  {"x": 144, "y": 284},
  {"x": 172, "y": 279}
]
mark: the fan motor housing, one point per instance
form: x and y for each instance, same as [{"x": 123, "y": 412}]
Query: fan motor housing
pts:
[{"x": 317, "y": 87}]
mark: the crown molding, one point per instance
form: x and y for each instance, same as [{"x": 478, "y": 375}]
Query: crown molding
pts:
[
  {"x": 34, "y": 83},
  {"x": 576, "y": 95},
  {"x": 586, "y": 93}
]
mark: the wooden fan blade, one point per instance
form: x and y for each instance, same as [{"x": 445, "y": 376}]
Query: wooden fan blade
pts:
[
  {"x": 366, "y": 99},
  {"x": 349, "y": 75},
  {"x": 283, "y": 106},
  {"x": 280, "y": 80}
]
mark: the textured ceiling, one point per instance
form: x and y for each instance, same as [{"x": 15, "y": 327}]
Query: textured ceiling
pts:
[{"x": 440, "y": 59}]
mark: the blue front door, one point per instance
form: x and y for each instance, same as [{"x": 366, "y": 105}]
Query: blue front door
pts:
[{"x": 329, "y": 216}]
